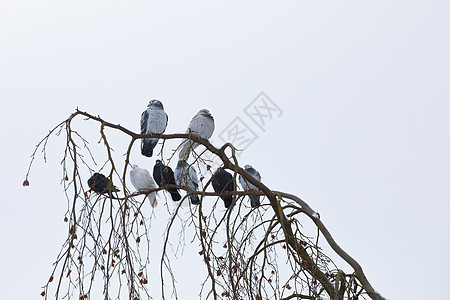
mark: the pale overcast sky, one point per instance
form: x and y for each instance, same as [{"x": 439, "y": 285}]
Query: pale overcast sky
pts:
[{"x": 362, "y": 131}]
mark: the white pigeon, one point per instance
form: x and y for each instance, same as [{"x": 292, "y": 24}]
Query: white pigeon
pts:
[
  {"x": 202, "y": 124},
  {"x": 185, "y": 175},
  {"x": 247, "y": 186},
  {"x": 153, "y": 120},
  {"x": 143, "y": 181}
]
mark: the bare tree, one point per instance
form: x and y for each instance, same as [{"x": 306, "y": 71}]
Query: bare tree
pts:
[{"x": 244, "y": 248}]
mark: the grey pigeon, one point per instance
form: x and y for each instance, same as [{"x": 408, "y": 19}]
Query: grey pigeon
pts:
[
  {"x": 142, "y": 181},
  {"x": 222, "y": 182},
  {"x": 202, "y": 124},
  {"x": 186, "y": 175},
  {"x": 163, "y": 175},
  {"x": 247, "y": 186},
  {"x": 153, "y": 120}
]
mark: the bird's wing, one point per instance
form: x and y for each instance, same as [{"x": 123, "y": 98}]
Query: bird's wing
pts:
[
  {"x": 147, "y": 178},
  {"x": 152, "y": 198},
  {"x": 243, "y": 183},
  {"x": 168, "y": 175},
  {"x": 193, "y": 128},
  {"x": 202, "y": 126},
  {"x": 228, "y": 181},
  {"x": 193, "y": 178},
  {"x": 194, "y": 124},
  {"x": 150, "y": 185},
  {"x": 139, "y": 179},
  {"x": 157, "y": 121},
  {"x": 133, "y": 179},
  {"x": 144, "y": 120},
  {"x": 157, "y": 175},
  {"x": 167, "y": 122},
  {"x": 258, "y": 176},
  {"x": 176, "y": 174}
]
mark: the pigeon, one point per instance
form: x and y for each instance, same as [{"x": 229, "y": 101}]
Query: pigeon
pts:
[
  {"x": 163, "y": 175},
  {"x": 153, "y": 120},
  {"x": 142, "y": 181},
  {"x": 222, "y": 182},
  {"x": 202, "y": 124},
  {"x": 247, "y": 186},
  {"x": 102, "y": 185},
  {"x": 186, "y": 175}
]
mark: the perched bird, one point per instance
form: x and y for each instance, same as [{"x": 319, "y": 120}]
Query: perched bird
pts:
[
  {"x": 163, "y": 175},
  {"x": 153, "y": 120},
  {"x": 102, "y": 185},
  {"x": 186, "y": 175},
  {"x": 202, "y": 124},
  {"x": 142, "y": 181},
  {"x": 247, "y": 186},
  {"x": 222, "y": 182}
]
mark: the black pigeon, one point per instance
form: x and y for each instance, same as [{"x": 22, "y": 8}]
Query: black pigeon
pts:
[
  {"x": 101, "y": 185},
  {"x": 223, "y": 182},
  {"x": 163, "y": 175}
]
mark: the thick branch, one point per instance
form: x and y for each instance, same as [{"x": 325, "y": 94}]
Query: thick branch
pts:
[{"x": 344, "y": 255}]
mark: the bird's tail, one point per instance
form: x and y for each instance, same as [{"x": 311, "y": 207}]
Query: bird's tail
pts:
[
  {"x": 112, "y": 196},
  {"x": 195, "y": 199},
  {"x": 188, "y": 145},
  {"x": 152, "y": 198},
  {"x": 254, "y": 201},
  {"x": 227, "y": 200},
  {"x": 110, "y": 189},
  {"x": 147, "y": 146},
  {"x": 174, "y": 194}
]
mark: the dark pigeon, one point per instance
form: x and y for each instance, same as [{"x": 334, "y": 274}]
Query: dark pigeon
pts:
[
  {"x": 223, "y": 182},
  {"x": 153, "y": 120},
  {"x": 101, "y": 185},
  {"x": 163, "y": 175}
]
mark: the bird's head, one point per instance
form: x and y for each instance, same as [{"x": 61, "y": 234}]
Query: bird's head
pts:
[
  {"x": 204, "y": 112},
  {"x": 155, "y": 104},
  {"x": 158, "y": 162},
  {"x": 247, "y": 167},
  {"x": 181, "y": 163},
  {"x": 134, "y": 166}
]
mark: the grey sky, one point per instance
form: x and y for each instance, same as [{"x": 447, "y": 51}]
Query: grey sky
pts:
[{"x": 363, "y": 138}]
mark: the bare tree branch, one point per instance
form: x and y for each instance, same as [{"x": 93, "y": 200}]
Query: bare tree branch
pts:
[{"x": 242, "y": 249}]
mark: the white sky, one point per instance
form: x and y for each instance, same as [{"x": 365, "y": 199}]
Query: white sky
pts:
[{"x": 363, "y": 138}]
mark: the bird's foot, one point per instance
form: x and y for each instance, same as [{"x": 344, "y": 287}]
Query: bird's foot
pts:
[{"x": 155, "y": 134}]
